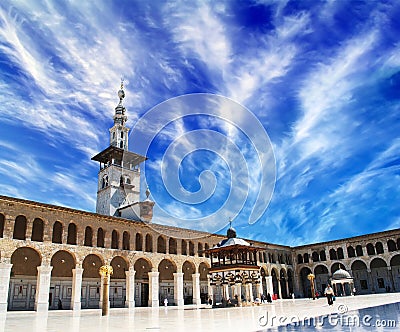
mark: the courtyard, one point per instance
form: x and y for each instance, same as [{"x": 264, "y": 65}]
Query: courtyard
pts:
[{"x": 204, "y": 318}]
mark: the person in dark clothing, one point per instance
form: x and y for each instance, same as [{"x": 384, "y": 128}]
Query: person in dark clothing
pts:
[
  {"x": 329, "y": 294},
  {"x": 269, "y": 300}
]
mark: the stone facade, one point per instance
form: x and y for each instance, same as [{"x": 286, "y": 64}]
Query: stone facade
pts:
[{"x": 50, "y": 254}]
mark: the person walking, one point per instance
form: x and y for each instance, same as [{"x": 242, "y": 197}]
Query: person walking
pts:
[
  {"x": 165, "y": 302},
  {"x": 329, "y": 294}
]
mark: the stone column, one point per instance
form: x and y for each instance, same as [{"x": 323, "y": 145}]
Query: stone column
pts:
[
  {"x": 287, "y": 288},
  {"x": 371, "y": 281},
  {"x": 42, "y": 288},
  {"x": 130, "y": 288},
  {"x": 260, "y": 289},
  {"x": 196, "y": 288},
  {"x": 103, "y": 280},
  {"x": 250, "y": 285},
  {"x": 239, "y": 292},
  {"x": 5, "y": 270},
  {"x": 178, "y": 289},
  {"x": 210, "y": 291},
  {"x": 153, "y": 289},
  {"x": 225, "y": 291},
  {"x": 76, "y": 288}
]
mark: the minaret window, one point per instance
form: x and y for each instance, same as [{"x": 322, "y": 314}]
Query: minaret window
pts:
[
  {"x": 104, "y": 182},
  {"x": 122, "y": 134},
  {"x": 128, "y": 181},
  {"x": 114, "y": 135},
  {"x": 121, "y": 145}
]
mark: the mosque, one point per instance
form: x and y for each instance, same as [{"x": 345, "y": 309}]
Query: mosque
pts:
[{"x": 50, "y": 255}]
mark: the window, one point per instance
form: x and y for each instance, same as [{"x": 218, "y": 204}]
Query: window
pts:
[
  {"x": 100, "y": 238},
  {"x": 57, "y": 232},
  {"x": 359, "y": 251},
  {"x": 379, "y": 248},
  {"x": 340, "y": 254},
  {"x": 88, "y": 236},
  {"x": 71, "y": 238},
  {"x": 350, "y": 252}
]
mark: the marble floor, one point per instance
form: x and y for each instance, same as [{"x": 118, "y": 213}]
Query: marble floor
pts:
[{"x": 281, "y": 315}]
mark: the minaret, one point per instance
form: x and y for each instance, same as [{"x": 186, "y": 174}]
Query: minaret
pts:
[{"x": 118, "y": 190}]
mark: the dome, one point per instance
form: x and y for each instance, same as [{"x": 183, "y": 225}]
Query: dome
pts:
[{"x": 341, "y": 274}]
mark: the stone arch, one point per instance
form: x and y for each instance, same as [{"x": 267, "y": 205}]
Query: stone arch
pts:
[
  {"x": 25, "y": 261},
  {"x": 379, "y": 248},
  {"x": 172, "y": 247},
  {"x": 142, "y": 267},
  {"x": 282, "y": 280},
  {"x": 304, "y": 282},
  {"x": 126, "y": 240},
  {"x": 370, "y": 249},
  {"x": 88, "y": 236},
  {"x": 335, "y": 267},
  {"x": 188, "y": 269},
  {"x": 340, "y": 253},
  {"x": 322, "y": 255},
  {"x": 120, "y": 266},
  {"x": 395, "y": 260},
  {"x": 381, "y": 282},
  {"x": 100, "y": 237},
  {"x": 37, "y": 230},
  {"x": 2, "y": 222},
  {"x": 91, "y": 281},
  {"x": 20, "y": 228},
  {"x": 91, "y": 266},
  {"x": 63, "y": 263},
  {"x": 114, "y": 239},
  {"x": 377, "y": 263},
  {"x": 138, "y": 242},
  {"x": 183, "y": 247},
  {"x": 149, "y": 243},
  {"x": 161, "y": 245},
  {"x": 299, "y": 259},
  {"x": 351, "y": 252},
  {"x": 290, "y": 276},
  {"x": 359, "y": 251},
  {"x": 166, "y": 268},
  {"x": 200, "y": 249},
  {"x": 275, "y": 282},
  {"x": 191, "y": 248},
  {"x": 57, "y": 232},
  {"x": 332, "y": 254},
  {"x": 203, "y": 270},
  {"x": 391, "y": 245},
  {"x": 24, "y": 271},
  {"x": 321, "y": 273},
  {"x": 72, "y": 233}
]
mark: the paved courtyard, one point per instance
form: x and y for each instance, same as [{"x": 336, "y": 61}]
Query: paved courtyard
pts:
[{"x": 255, "y": 318}]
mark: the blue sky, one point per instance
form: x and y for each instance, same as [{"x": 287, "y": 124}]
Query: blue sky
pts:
[{"x": 321, "y": 77}]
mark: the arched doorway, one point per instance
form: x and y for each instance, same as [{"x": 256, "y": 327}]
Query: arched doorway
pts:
[
  {"x": 91, "y": 281},
  {"x": 275, "y": 286},
  {"x": 203, "y": 270},
  {"x": 24, "y": 272},
  {"x": 321, "y": 278},
  {"x": 142, "y": 268},
  {"x": 290, "y": 282},
  {"x": 188, "y": 270},
  {"x": 167, "y": 269},
  {"x": 61, "y": 280},
  {"x": 395, "y": 272},
  {"x": 118, "y": 282},
  {"x": 304, "y": 282},
  {"x": 379, "y": 275},
  {"x": 360, "y": 277},
  {"x": 282, "y": 281}
]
